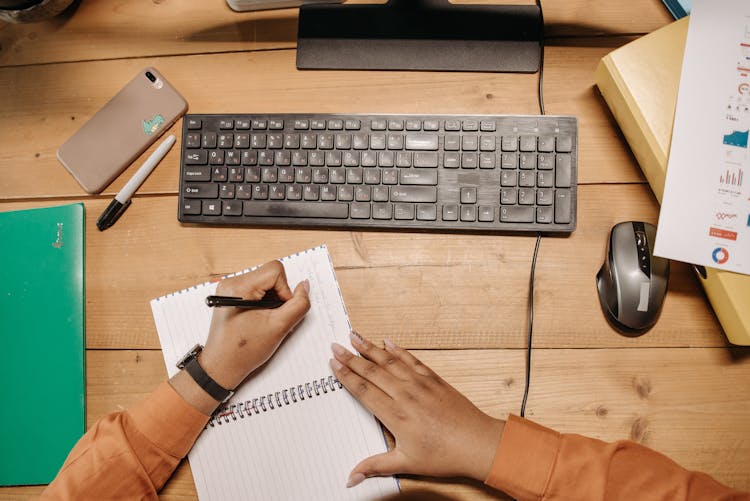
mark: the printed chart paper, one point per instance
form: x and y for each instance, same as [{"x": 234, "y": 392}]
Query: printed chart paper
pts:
[{"x": 705, "y": 212}]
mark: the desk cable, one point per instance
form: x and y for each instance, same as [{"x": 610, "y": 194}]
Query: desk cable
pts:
[{"x": 527, "y": 381}]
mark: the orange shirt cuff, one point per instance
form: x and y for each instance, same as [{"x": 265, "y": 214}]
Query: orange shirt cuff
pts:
[
  {"x": 168, "y": 420},
  {"x": 524, "y": 459}
]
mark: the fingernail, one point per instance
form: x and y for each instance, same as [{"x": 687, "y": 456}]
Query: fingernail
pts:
[
  {"x": 355, "y": 479},
  {"x": 388, "y": 343},
  {"x": 306, "y": 285},
  {"x": 356, "y": 337},
  {"x": 338, "y": 349},
  {"x": 335, "y": 364}
]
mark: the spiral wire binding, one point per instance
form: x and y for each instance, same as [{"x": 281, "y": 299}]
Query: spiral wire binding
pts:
[{"x": 272, "y": 401}]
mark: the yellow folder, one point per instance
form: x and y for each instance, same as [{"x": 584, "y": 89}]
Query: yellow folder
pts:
[{"x": 639, "y": 82}]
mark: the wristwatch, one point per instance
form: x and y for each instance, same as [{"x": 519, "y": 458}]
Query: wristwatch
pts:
[{"x": 190, "y": 363}]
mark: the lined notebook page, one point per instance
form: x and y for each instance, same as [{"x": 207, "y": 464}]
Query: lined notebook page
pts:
[{"x": 290, "y": 431}]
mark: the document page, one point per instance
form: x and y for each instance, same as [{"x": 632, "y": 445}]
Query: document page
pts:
[{"x": 705, "y": 212}]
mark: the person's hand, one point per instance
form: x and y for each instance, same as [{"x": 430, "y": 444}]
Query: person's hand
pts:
[
  {"x": 240, "y": 341},
  {"x": 438, "y": 431}
]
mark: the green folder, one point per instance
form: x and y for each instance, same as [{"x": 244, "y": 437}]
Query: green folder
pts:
[{"x": 42, "y": 400}]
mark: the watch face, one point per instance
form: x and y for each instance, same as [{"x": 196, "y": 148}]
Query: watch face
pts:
[{"x": 189, "y": 356}]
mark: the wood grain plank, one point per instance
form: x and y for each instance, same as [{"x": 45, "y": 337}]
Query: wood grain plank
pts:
[
  {"x": 422, "y": 290},
  {"x": 683, "y": 402},
  {"x": 112, "y": 30},
  {"x": 51, "y": 102}
]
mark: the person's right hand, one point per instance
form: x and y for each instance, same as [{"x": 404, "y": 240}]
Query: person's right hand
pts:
[{"x": 438, "y": 431}]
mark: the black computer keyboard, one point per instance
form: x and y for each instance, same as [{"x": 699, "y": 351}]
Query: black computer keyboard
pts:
[{"x": 483, "y": 173}]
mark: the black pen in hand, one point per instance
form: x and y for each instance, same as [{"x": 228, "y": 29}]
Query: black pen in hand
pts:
[{"x": 247, "y": 304}]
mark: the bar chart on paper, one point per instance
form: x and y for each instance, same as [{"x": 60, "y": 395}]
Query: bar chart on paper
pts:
[{"x": 732, "y": 178}]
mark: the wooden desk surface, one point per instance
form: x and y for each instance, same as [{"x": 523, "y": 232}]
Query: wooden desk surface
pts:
[{"x": 459, "y": 301}]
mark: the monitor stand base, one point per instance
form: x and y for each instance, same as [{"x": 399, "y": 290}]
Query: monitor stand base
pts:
[{"x": 420, "y": 35}]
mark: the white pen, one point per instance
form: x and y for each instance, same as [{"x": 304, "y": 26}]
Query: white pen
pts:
[{"x": 122, "y": 200}]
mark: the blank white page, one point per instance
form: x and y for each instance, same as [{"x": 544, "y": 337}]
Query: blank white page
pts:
[{"x": 290, "y": 431}]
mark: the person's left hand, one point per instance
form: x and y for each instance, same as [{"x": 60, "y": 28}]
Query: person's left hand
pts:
[
  {"x": 240, "y": 341},
  {"x": 438, "y": 431}
]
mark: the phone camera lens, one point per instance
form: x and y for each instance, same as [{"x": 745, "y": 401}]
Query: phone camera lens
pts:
[{"x": 150, "y": 76}]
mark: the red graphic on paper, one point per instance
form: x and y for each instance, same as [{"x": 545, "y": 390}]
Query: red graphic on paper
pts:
[{"x": 725, "y": 234}]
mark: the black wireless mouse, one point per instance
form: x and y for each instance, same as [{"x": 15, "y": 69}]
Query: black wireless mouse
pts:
[{"x": 632, "y": 282}]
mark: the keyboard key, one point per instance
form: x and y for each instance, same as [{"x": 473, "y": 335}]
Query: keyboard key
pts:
[
  {"x": 362, "y": 193},
  {"x": 211, "y": 208},
  {"x": 487, "y": 126},
  {"x": 546, "y": 144},
  {"x": 544, "y": 196},
  {"x": 318, "y": 124},
  {"x": 335, "y": 124},
  {"x": 508, "y": 178},
  {"x": 509, "y": 143},
  {"x": 208, "y": 140},
  {"x": 191, "y": 207},
  {"x": 198, "y": 173},
  {"x": 468, "y": 195},
  {"x": 544, "y": 179},
  {"x": 469, "y": 160},
  {"x": 426, "y": 212},
  {"x": 378, "y": 124},
  {"x": 422, "y": 142},
  {"x": 276, "y": 192},
  {"x": 527, "y": 160},
  {"x": 194, "y": 124},
  {"x": 403, "y": 159},
  {"x": 468, "y": 213},
  {"x": 395, "y": 125},
  {"x": 301, "y": 124},
  {"x": 328, "y": 192},
  {"x": 527, "y": 143},
  {"x": 242, "y": 124},
  {"x": 260, "y": 192},
  {"x": 470, "y": 125},
  {"x": 359, "y": 211},
  {"x": 380, "y": 194},
  {"x": 244, "y": 191},
  {"x": 403, "y": 211},
  {"x": 372, "y": 176},
  {"x": 562, "y": 207},
  {"x": 469, "y": 142},
  {"x": 564, "y": 144},
  {"x": 451, "y": 125},
  {"x": 413, "y": 125},
  {"x": 414, "y": 194},
  {"x": 517, "y": 214},
  {"x": 450, "y": 212},
  {"x": 486, "y": 160},
  {"x": 487, "y": 143},
  {"x": 352, "y": 124},
  {"x": 431, "y": 125},
  {"x": 226, "y": 124},
  {"x": 428, "y": 177},
  {"x": 382, "y": 211},
  {"x": 562, "y": 171},
  {"x": 452, "y": 160},
  {"x": 196, "y": 158},
  {"x": 452, "y": 142},
  {"x": 249, "y": 158},
  {"x": 216, "y": 157},
  {"x": 232, "y": 208},
  {"x": 346, "y": 193},
  {"x": 425, "y": 159},
  {"x": 311, "y": 192},
  {"x": 284, "y": 209},
  {"x": 508, "y": 196},
  {"x": 276, "y": 124},
  {"x": 219, "y": 174},
  {"x": 193, "y": 140},
  {"x": 486, "y": 213},
  {"x": 286, "y": 175},
  {"x": 544, "y": 215},
  {"x": 509, "y": 161},
  {"x": 526, "y": 196}
]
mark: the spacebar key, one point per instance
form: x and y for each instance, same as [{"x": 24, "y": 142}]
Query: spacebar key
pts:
[{"x": 296, "y": 209}]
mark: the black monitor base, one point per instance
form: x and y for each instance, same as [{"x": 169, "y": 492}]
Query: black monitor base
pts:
[{"x": 420, "y": 35}]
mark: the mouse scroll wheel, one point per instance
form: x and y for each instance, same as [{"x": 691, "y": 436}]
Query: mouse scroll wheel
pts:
[{"x": 640, "y": 238}]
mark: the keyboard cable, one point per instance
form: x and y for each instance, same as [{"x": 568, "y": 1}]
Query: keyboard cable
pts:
[{"x": 527, "y": 381}]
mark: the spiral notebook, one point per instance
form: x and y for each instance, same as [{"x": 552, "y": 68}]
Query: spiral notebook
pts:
[{"x": 291, "y": 431}]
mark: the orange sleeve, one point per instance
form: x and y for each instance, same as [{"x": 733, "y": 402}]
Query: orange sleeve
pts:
[
  {"x": 130, "y": 455},
  {"x": 535, "y": 463}
]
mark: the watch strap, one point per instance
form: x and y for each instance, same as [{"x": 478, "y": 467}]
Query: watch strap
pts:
[{"x": 205, "y": 381}]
